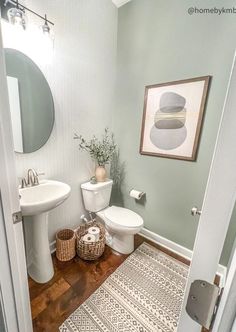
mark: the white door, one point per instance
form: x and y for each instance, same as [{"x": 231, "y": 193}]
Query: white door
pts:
[
  {"x": 14, "y": 293},
  {"x": 217, "y": 205}
]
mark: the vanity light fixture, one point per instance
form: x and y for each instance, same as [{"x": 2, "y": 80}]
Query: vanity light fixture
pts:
[{"x": 16, "y": 15}]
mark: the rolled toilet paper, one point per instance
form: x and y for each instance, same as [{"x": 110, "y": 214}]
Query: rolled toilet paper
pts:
[
  {"x": 136, "y": 194},
  {"x": 94, "y": 231},
  {"x": 89, "y": 238}
]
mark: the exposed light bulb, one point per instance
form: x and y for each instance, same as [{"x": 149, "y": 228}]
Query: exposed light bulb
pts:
[{"x": 18, "y": 18}]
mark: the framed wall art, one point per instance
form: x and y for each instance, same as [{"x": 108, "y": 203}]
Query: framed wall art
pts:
[{"x": 172, "y": 118}]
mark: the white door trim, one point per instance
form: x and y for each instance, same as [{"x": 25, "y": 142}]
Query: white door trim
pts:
[
  {"x": 227, "y": 309},
  {"x": 3, "y": 323},
  {"x": 10, "y": 204},
  {"x": 218, "y": 203},
  {"x": 7, "y": 298}
]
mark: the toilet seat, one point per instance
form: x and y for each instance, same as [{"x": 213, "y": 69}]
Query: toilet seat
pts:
[{"x": 123, "y": 217}]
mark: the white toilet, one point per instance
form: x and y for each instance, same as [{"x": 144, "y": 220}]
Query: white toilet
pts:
[{"x": 120, "y": 223}]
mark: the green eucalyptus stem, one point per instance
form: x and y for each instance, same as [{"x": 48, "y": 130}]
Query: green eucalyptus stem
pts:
[{"x": 100, "y": 150}]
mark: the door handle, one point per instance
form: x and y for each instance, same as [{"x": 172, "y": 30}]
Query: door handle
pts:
[{"x": 195, "y": 211}]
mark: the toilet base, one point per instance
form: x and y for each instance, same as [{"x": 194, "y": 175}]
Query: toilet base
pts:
[{"x": 124, "y": 244}]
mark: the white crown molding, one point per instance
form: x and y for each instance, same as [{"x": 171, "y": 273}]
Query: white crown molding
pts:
[{"x": 120, "y": 3}]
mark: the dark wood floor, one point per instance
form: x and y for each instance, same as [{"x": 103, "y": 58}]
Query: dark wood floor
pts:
[{"x": 72, "y": 284}]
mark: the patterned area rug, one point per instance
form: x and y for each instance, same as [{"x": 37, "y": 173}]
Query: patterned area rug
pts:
[{"x": 143, "y": 295}]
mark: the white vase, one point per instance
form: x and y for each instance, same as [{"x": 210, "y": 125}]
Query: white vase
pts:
[{"x": 101, "y": 173}]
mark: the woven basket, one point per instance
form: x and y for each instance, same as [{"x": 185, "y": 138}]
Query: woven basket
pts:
[
  {"x": 90, "y": 251},
  {"x": 65, "y": 245}
]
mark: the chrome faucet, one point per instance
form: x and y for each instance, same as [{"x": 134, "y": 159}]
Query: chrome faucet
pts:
[{"x": 32, "y": 177}]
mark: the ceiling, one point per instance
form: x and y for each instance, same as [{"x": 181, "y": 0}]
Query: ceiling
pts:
[{"x": 120, "y": 3}]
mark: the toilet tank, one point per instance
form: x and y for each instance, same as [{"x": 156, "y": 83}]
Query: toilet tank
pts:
[{"x": 96, "y": 196}]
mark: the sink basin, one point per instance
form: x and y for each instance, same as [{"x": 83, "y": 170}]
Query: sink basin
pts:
[
  {"x": 43, "y": 197},
  {"x": 35, "y": 204}
]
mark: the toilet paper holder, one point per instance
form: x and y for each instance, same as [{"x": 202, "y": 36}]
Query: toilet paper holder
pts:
[{"x": 136, "y": 194}]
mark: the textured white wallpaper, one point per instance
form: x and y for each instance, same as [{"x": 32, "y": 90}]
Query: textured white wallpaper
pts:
[{"x": 82, "y": 79}]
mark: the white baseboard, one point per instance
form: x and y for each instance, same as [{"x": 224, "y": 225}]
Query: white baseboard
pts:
[
  {"x": 180, "y": 250},
  {"x": 164, "y": 242}
]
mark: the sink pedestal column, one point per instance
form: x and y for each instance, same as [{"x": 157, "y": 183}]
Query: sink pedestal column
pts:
[{"x": 40, "y": 268}]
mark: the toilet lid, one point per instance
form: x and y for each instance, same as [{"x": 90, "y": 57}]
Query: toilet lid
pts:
[{"x": 123, "y": 217}]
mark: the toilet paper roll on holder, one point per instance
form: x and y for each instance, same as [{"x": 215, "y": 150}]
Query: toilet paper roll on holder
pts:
[{"x": 136, "y": 194}]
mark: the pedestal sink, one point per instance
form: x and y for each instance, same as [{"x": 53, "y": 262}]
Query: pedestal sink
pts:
[{"x": 36, "y": 201}]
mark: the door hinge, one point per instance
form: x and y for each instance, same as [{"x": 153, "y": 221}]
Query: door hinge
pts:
[
  {"x": 17, "y": 217},
  {"x": 203, "y": 302}
]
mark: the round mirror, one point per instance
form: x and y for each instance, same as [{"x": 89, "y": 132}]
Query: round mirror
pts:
[{"x": 31, "y": 102}]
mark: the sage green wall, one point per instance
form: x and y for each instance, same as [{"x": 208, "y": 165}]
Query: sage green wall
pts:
[{"x": 158, "y": 41}]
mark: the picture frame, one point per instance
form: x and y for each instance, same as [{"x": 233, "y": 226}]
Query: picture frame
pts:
[{"x": 172, "y": 118}]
